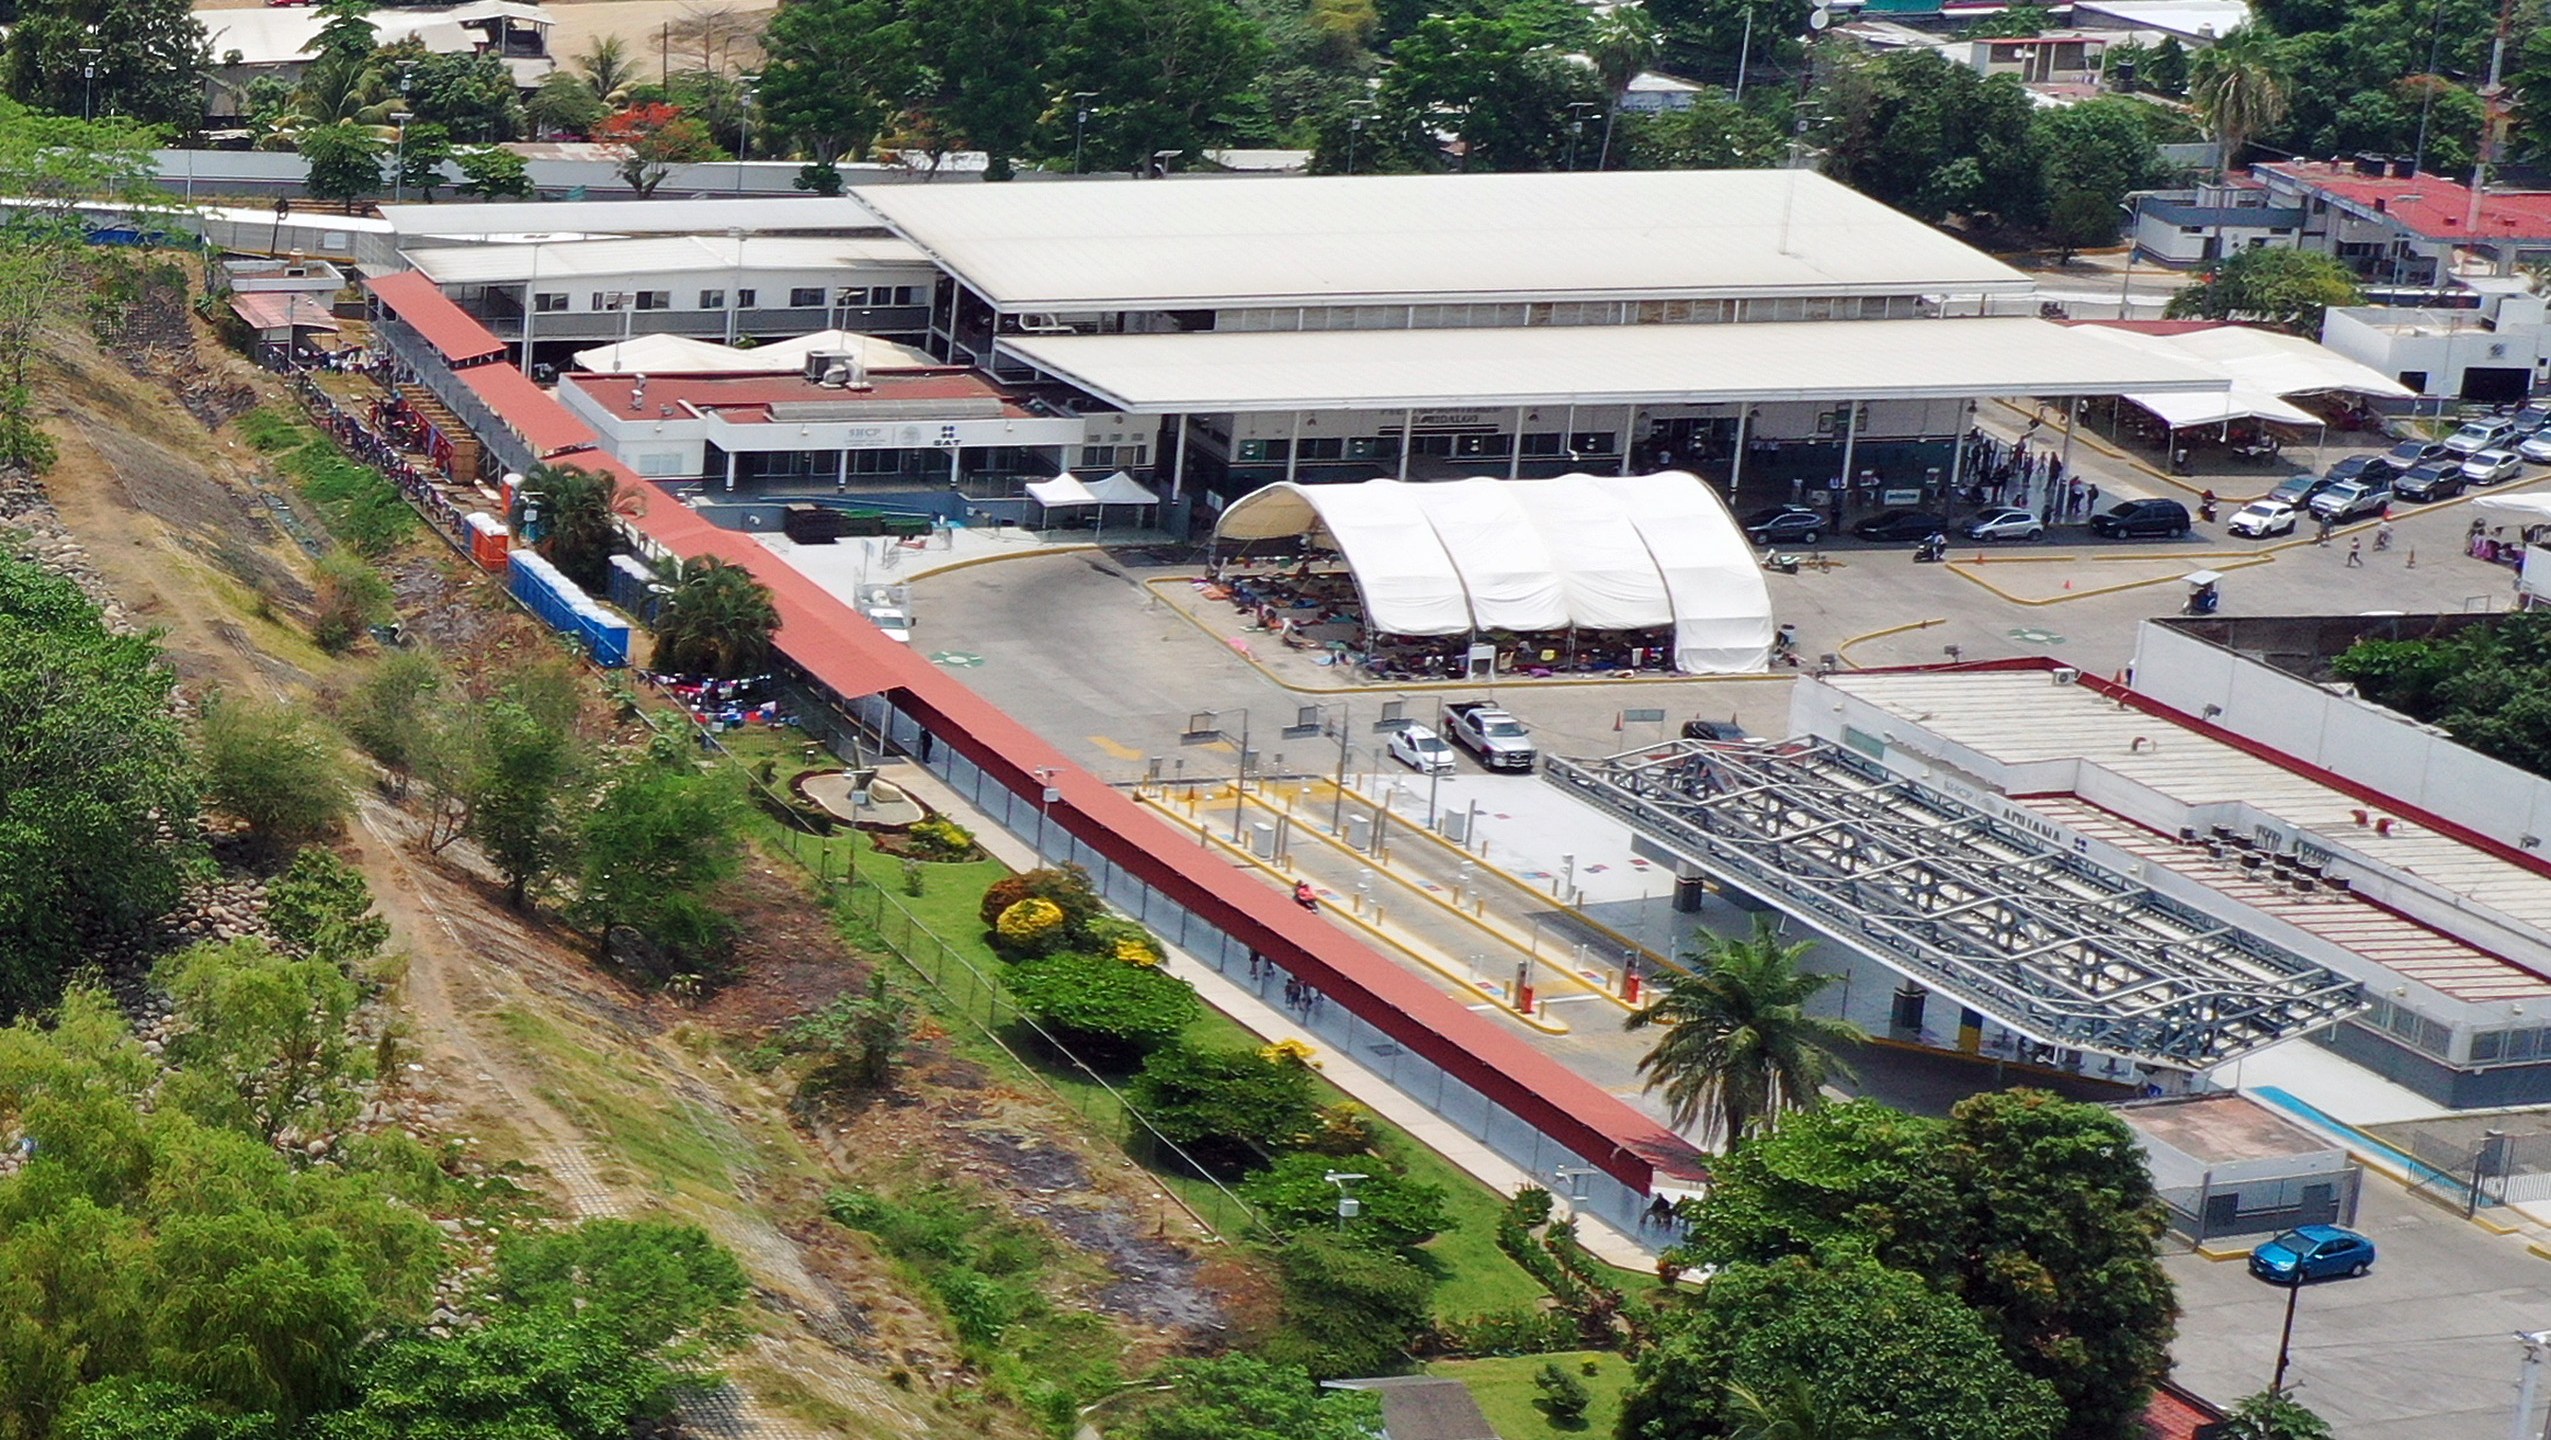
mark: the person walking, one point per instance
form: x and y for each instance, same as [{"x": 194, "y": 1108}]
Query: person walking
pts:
[{"x": 2355, "y": 552}]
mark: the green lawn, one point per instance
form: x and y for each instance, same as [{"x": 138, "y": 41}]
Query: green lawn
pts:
[{"x": 1505, "y": 1392}]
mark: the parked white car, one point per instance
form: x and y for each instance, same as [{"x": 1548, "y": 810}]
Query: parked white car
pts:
[
  {"x": 2480, "y": 435},
  {"x": 897, "y": 623},
  {"x": 2488, "y": 467},
  {"x": 2536, "y": 448},
  {"x": 2262, "y": 518},
  {"x": 1421, "y": 749}
]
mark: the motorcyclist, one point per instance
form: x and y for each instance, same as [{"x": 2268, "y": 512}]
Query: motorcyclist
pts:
[{"x": 1303, "y": 896}]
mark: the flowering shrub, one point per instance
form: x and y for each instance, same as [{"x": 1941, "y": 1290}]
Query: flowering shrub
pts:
[
  {"x": 938, "y": 839},
  {"x": 1031, "y": 926}
]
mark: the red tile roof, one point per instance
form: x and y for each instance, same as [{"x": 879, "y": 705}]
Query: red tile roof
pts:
[
  {"x": 2429, "y": 206},
  {"x": 459, "y": 339},
  {"x": 738, "y": 395},
  {"x": 532, "y": 413},
  {"x": 281, "y": 310},
  {"x": 2175, "y": 1414}
]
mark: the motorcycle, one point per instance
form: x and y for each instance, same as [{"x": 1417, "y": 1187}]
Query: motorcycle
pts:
[
  {"x": 1303, "y": 897},
  {"x": 1931, "y": 551}
]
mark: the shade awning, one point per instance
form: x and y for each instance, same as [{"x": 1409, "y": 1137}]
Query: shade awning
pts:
[
  {"x": 2265, "y": 370},
  {"x": 1061, "y": 491},
  {"x": 2187, "y": 412},
  {"x": 282, "y": 310},
  {"x": 1121, "y": 489},
  {"x": 2522, "y": 509}
]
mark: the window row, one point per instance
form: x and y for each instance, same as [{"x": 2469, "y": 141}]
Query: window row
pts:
[
  {"x": 803, "y": 297},
  {"x": 1552, "y": 444}
]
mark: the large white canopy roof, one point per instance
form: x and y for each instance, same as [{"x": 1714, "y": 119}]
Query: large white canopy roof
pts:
[
  {"x": 1595, "y": 552},
  {"x": 2263, "y": 369},
  {"x": 682, "y": 355},
  {"x": 1365, "y": 239},
  {"x": 1828, "y": 360}
]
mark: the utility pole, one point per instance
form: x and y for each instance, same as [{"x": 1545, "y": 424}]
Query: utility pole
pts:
[
  {"x": 2528, "y": 1382},
  {"x": 1080, "y": 124},
  {"x": 2285, "y": 1341},
  {"x": 1337, "y": 804},
  {"x": 1745, "y": 52},
  {"x": 2493, "y": 118}
]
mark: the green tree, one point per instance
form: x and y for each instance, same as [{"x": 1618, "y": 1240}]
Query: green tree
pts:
[
  {"x": 541, "y": 1375},
  {"x": 2095, "y": 153},
  {"x": 1713, "y": 133},
  {"x": 256, "y": 1310},
  {"x": 1508, "y": 87},
  {"x": 1109, "y": 1012},
  {"x": 1887, "y": 1355},
  {"x": 321, "y": 909},
  {"x": 1163, "y": 71},
  {"x": 650, "y": 139},
  {"x": 1795, "y": 1411},
  {"x": 1930, "y": 136},
  {"x": 420, "y": 159},
  {"x": 261, "y": 1040},
  {"x": 564, "y": 103},
  {"x": 835, "y": 72},
  {"x": 471, "y": 96},
  {"x": 520, "y": 799},
  {"x": 606, "y": 66},
  {"x": 1624, "y": 44},
  {"x": 2274, "y": 285},
  {"x": 1241, "y": 1397},
  {"x": 274, "y": 767},
  {"x": 2238, "y": 85},
  {"x": 575, "y": 522},
  {"x": 655, "y": 848},
  {"x": 982, "y": 62},
  {"x": 92, "y": 765},
  {"x": 144, "y": 60},
  {"x": 1564, "y": 1397},
  {"x": 856, "y": 1041},
  {"x": 390, "y": 713},
  {"x": 491, "y": 172},
  {"x": 345, "y": 161},
  {"x": 1397, "y": 1214},
  {"x": 350, "y": 597},
  {"x": 658, "y": 1286},
  {"x": 1739, "y": 1048},
  {"x": 2270, "y": 1416},
  {"x": 1224, "y": 1105},
  {"x": 1347, "y": 1311},
  {"x": 127, "y": 1409},
  {"x": 718, "y": 621}
]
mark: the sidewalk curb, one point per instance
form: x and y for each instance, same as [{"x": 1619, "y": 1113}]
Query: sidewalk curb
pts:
[{"x": 1370, "y": 931}]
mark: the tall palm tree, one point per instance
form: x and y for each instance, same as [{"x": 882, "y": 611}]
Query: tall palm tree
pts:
[
  {"x": 1739, "y": 1047},
  {"x": 1793, "y": 1412},
  {"x": 606, "y": 65},
  {"x": 2238, "y": 85},
  {"x": 717, "y": 622},
  {"x": 577, "y": 529},
  {"x": 1624, "y": 43}
]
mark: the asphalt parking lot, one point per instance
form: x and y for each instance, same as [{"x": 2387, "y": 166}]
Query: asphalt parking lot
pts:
[{"x": 2420, "y": 1348}]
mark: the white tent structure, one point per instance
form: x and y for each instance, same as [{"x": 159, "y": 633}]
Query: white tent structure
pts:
[
  {"x": 1583, "y": 552},
  {"x": 2266, "y": 367},
  {"x": 1068, "y": 491},
  {"x": 681, "y": 355}
]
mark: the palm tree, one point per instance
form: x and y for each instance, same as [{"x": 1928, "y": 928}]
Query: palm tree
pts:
[
  {"x": 1739, "y": 1047},
  {"x": 607, "y": 66},
  {"x": 1625, "y": 42},
  {"x": 2238, "y": 86},
  {"x": 717, "y": 622},
  {"x": 1794, "y": 1412}
]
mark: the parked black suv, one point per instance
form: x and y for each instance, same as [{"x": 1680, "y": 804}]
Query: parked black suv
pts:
[
  {"x": 2129, "y": 518},
  {"x": 2363, "y": 467},
  {"x": 2430, "y": 480},
  {"x": 1786, "y": 525}
]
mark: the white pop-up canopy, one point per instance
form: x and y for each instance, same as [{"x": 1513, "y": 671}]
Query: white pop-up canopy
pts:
[
  {"x": 682, "y": 355},
  {"x": 2266, "y": 367},
  {"x": 1578, "y": 551}
]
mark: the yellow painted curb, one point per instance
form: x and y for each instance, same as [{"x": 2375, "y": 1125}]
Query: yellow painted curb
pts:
[
  {"x": 1249, "y": 658},
  {"x": 1964, "y": 572},
  {"x": 1357, "y": 922},
  {"x": 1844, "y": 649},
  {"x": 971, "y": 561},
  {"x": 2209, "y": 1252},
  {"x": 2538, "y": 1250}
]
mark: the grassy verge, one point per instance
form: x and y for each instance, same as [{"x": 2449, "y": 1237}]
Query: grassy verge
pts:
[
  {"x": 1505, "y": 1392},
  {"x": 362, "y": 507}
]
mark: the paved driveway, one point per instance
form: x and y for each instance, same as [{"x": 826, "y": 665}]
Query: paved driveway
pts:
[{"x": 2419, "y": 1349}]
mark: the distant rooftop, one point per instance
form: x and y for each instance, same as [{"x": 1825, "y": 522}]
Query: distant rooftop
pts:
[
  {"x": 565, "y": 260},
  {"x": 2429, "y": 206},
  {"x": 793, "y": 399}
]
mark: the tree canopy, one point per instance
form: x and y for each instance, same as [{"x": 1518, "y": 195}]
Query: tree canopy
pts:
[{"x": 2273, "y": 285}]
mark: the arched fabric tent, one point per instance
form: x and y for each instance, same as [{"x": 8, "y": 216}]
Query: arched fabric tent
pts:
[
  {"x": 682, "y": 355},
  {"x": 1457, "y": 557}
]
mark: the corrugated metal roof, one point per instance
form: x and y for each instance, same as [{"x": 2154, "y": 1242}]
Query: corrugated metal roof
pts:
[
  {"x": 656, "y": 255},
  {"x": 1337, "y": 240},
  {"x": 1606, "y": 364},
  {"x": 760, "y": 214},
  {"x": 448, "y": 328},
  {"x": 531, "y": 412}
]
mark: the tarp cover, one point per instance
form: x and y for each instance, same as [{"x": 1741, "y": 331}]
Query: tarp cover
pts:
[
  {"x": 1064, "y": 489},
  {"x": 1121, "y": 489},
  {"x": 682, "y": 355},
  {"x": 1456, "y": 557},
  {"x": 2266, "y": 369},
  {"x": 1512, "y": 582},
  {"x": 2527, "y": 510},
  {"x": 1611, "y": 580},
  {"x": 1722, "y": 610}
]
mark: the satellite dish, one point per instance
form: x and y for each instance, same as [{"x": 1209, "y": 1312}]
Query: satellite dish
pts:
[{"x": 1819, "y": 18}]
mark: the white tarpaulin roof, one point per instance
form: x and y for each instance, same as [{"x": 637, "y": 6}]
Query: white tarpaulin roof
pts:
[
  {"x": 1722, "y": 611},
  {"x": 2266, "y": 367},
  {"x": 681, "y": 355},
  {"x": 1062, "y": 490},
  {"x": 2522, "y": 509},
  {"x": 1121, "y": 489},
  {"x": 1503, "y": 563},
  {"x": 1454, "y": 557}
]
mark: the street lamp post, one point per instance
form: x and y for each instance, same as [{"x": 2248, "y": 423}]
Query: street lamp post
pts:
[
  {"x": 1576, "y": 127},
  {"x": 88, "y": 75},
  {"x": 743, "y": 125},
  {"x": 1080, "y": 124},
  {"x": 1046, "y": 795},
  {"x": 2134, "y": 242},
  {"x": 2285, "y": 1341},
  {"x": 398, "y": 165}
]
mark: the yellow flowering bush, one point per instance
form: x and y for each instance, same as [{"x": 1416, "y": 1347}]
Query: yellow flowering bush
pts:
[
  {"x": 1134, "y": 952},
  {"x": 1031, "y": 924},
  {"x": 1285, "y": 1050}
]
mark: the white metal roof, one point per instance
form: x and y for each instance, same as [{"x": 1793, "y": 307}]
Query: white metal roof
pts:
[
  {"x": 1337, "y": 240},
  {"x": 275, "y": 35},
  {"x": 661, "y": 255},
  {"x": 1605, "y": 364},
  {"x": 2200, "y": 20},
  {"x": 750, "y": 214},
  {"x": 2264, "y": 367}
]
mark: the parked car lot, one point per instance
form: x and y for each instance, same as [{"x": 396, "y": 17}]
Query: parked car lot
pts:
[
  {"x": 1421, "y": 749},
  {"x": 2131, "y": 519},
  {"x": 2491, "y": 466},
  {"x": 1786, "y": 525},
  {"x": 2006, "y": 522},
  {"x": 2479, "y": 435},
  {"x": 2352, "y": 501},
  {"x": 2312, "y": 1252},
  {"x": 1901, "y": 525},
  {"x": 2262, "y": 518},
  {"x": 2431, "y": 480}
]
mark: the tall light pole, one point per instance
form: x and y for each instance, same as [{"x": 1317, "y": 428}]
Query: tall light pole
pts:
[
  {"x": 1046, "y": 795},
  {"x": 2134, "y": 242},
  {"x": 1080, "y": 124},
  {"x": 88, "y": 75},
  {"x": 743, "y": 124},
  {"x": 1576, "y": 127},
  {"x": 1205, "y": 727},
  {"x": 2285, "y": 1341},
  {"x": 398, "y": 166}
]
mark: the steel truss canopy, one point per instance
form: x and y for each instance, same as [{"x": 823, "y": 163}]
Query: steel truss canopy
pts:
[{"x": 2045, "y": 942}]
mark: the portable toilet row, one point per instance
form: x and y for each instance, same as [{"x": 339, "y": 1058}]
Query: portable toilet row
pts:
[
  {"x": 488, "y": 540},
  {"x": 635, "y": 589},
  {"x": 563, "y": 605}
]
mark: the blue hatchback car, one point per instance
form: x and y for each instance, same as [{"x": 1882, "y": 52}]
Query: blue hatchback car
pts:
[{"x": 2312, "y": 1252}]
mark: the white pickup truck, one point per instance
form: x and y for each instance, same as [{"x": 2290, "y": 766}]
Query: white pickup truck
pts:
[{"x": 1498, "y": 739}]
